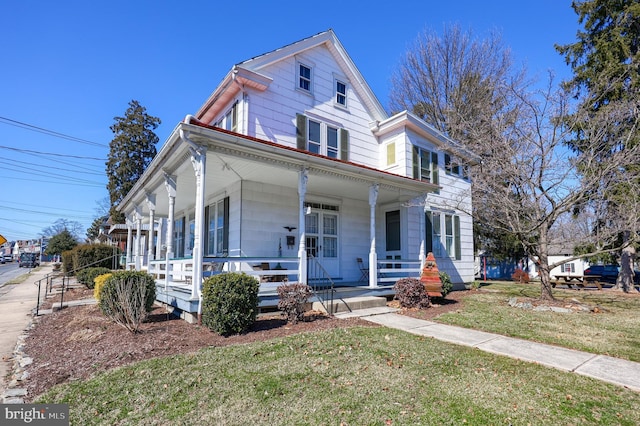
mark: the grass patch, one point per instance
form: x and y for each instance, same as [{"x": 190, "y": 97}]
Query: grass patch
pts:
[
  {"x": 613, "y": 331},
  {"x": 355, "y": 376}
]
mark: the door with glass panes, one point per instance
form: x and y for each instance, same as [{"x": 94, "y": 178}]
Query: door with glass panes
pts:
[{"x": 321, "y": 229}]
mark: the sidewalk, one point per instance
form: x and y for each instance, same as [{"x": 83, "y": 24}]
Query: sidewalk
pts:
[
  {"x": 17, "y": 304},
  {"x": 613, "y": 370}
]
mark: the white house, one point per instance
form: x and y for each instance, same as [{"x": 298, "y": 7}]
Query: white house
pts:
[{"x": 292, "y": 169}]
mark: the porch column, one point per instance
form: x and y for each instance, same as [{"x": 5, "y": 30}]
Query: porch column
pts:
[
  {"x": 138, "y": 217},
  {"x": 373, "y": 256},
  {"x": 199, "y": 162},
  {"x": 129, "y": 242},
  {"x": 151, "y": 203},
  {"x": 303, "y": 176},
  {"x": 170, "y": 182},
  {"x": 422, "y": 211}
]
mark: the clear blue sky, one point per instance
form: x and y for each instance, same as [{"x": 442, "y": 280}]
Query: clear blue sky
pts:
[{"x": 72, "y": 66}]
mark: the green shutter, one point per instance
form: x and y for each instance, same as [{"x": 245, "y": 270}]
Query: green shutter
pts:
[
  {"x": 434, "y": 168},
  {"x": 301, "y": 131},
  {"x": 428, "y": 237},
  {"x": 205, "y": 231},
  {"x": 416, "y": 163},
  {"x": 456, "y": 237},
  {"x": 225, "y": 229},
  {"x": 344, "y": 144}
]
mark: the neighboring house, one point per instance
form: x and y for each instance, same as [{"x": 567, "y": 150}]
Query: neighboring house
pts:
[
  {"x": 292, "y": 164},
  {"x": 560, "y": 253}
]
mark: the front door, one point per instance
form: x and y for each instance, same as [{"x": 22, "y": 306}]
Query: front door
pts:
[{"x": 322, "y": 239}]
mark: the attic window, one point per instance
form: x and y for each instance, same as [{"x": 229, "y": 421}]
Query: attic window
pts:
[
  {"x": 341, "y": 93},
  {"x": 304, "y": 77}
]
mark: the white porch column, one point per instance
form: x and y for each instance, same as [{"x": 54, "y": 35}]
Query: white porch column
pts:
[
  {"x": 422, "y": 210},
  {"x": 302, "y": 244},
  {"x": 138, "y": 251},
  {"x": 199, "y": 162},
  {"x": 373, "y": 256},
  {"x": 129, "y": 241},
  {"x": 151, "y": 203},
  {"x": 170, "y": 182}
]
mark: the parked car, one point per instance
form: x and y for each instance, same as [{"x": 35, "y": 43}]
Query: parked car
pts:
[
  {"x": 609, "y": 273},
  {"x": 29, "y": 260},
  {"x": 7, "y": 258}
]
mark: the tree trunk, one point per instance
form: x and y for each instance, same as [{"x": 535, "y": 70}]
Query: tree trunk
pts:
[
  {"x": 545, "y": 282},
  {"x": 625, "y": 277}
]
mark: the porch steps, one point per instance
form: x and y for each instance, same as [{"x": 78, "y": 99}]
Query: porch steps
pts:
[{"x": 350, "y": 304}]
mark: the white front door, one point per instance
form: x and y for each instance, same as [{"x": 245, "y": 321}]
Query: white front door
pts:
[{"x": 322, "y": 239}]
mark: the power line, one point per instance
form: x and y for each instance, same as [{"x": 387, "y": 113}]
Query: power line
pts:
[
  {"x": 49, "y": 132},
  {"x": 55, "y": 154}
]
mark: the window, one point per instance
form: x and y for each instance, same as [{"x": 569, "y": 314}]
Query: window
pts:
[
  {"x": 304, "y": 77},
  {"x": 433, "y": 237},
  {"x": 178, "y": 237},
  {"x": 217, "y": 214},
  {"x": 341, "y": 93},
  {"x": 451, "y": 167},
  {"x": 568, "y": 268},
  {"x": 321, "y": 138},
  {"x": 230, "y": 120},
  {"x": 425, "y": 165}
]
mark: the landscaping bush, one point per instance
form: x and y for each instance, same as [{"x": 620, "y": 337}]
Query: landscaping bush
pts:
[
  {"x": 520, "y": 276},
  {"x": 293, "y": 300},
  {"x": 410, "y": 292},
  {"x": 87, "y": 275},
  {"x": 67, "y": 262},
  {"x": 93, "y": 255},
  {"x": 126, "y": 297},
  {"x": 98, "y": 282},
  {"x": 230, "y": 302},
  {"x": 447, "y": 285}
]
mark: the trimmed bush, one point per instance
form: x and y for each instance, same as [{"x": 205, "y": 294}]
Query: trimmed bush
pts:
[
  {"x": 230, "y": 302},
  {"x": 98, "y": 282},
  {"x": 447, "y": 285},
  {"x": 293, "y": 300},
  {"x": 126, "y": 297},
  {"x": 87, "y": 275},
  {"x": 410, "y": 292},
  {"x": 520, "y": 276},
  {"x": 67, "y": 262},
  {"x": 93, "y": 255}
]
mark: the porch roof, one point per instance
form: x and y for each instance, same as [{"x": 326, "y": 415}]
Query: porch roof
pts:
[{"x": 232, "y": 157}]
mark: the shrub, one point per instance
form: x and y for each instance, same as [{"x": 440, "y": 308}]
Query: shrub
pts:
[
  {"x": 126, "y": 297},
  {"x": 230, "y": 302},
  {"x": 67, "y": 262},
  {"x": 87, "y": 275},
  {"x": 293, "y": 298},
  {"x": 447, "y": 285},
  {"x": 93, "y": 255},
  {"x": 410, "y": 292},
  {"x": 520, "y": 276},
  {"x": 98, "y": 282}
]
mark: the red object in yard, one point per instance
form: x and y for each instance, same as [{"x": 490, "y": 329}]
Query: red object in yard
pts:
[{"x": 430, "y": 277}]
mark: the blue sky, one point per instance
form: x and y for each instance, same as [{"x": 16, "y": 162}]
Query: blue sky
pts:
[{"x": 70, "y": 67}]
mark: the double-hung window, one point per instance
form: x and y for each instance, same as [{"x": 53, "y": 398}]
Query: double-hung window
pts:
[
  {"x": 322, "y": 138},
  {"x": 425, "y": 165},
  {"x": 341, "y": 93},
  {"x": 434, "y": 238},
  {"x": 217, "y": 214},
  {"x": 304, "y": 77},
  {"x": 229, "y": 121}
]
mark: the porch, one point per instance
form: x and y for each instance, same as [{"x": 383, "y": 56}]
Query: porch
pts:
[{"x": 180, "y": 294}]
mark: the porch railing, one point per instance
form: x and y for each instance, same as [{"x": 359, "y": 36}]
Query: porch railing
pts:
[
  {"x": 391, "y": 270},
  {"x": 321, "y": 284}
]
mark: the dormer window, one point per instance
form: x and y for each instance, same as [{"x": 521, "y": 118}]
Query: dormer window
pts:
[{"x": 304, "y": 77}]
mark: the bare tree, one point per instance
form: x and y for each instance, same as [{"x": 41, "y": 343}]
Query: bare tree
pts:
[
  {"x": 539, "y": 183},
  {"x": 74, "y": 228}
]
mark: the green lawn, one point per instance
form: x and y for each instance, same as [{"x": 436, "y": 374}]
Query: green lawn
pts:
[
  {"x": 366, "y": 376},
  {"x": 614, "y": 331}
]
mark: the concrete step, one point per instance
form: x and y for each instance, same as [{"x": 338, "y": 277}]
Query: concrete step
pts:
[{"x": 349, "y": 304}]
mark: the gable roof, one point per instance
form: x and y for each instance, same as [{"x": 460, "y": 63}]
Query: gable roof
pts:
[{"x": 248, "y": 73}]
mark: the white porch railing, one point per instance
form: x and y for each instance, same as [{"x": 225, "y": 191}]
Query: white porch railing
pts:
[
  {"x": 391, "y": 270},
  {"x": 268, "y": 270}
]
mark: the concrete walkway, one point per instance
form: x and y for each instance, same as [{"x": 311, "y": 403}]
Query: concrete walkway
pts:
[{"x": 613, "y": 370}]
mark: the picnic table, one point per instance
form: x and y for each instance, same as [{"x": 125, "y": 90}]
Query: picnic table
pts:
[{"x": 580, "y": 281}]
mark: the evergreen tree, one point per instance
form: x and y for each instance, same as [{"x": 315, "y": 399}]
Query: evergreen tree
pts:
[
  {"x": 131, "y": 150},
  {"x": 60, "y": 243}
]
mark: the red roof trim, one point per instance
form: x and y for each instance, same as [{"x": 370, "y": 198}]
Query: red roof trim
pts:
[{"x": 196, "y": 122}]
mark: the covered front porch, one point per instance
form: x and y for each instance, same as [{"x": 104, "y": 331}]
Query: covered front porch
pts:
[{"x": 214, "y": 201}]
